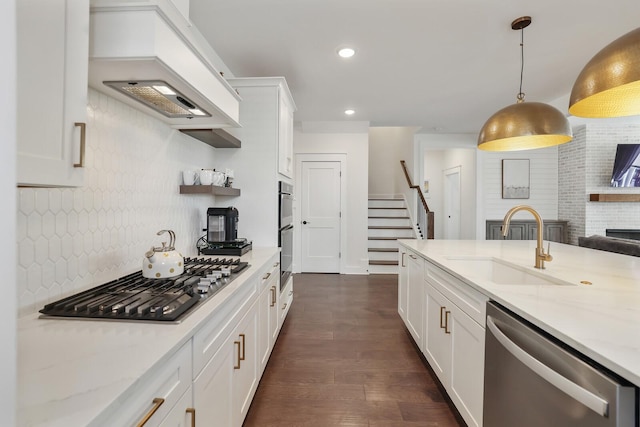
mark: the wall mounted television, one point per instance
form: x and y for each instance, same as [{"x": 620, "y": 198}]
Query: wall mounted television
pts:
[{"x": 626, "y": 166}]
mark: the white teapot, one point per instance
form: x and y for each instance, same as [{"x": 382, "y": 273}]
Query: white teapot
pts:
[{"x": 163, "y": 262}]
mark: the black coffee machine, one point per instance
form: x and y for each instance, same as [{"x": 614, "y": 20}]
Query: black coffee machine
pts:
[{"x": 222, "y": 233}]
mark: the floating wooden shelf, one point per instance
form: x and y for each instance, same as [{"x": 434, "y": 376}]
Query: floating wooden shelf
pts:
[
  {"x": 614, "y": 197},
  {"x": 209, "y": 189}
]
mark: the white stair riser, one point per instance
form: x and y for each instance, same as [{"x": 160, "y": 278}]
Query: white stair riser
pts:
[
  {"x": 392, "y": 222},
  {"x": 388, "y": 212},
  {"x": 383, "y": 256},
  {"x": 391, "y": 203},
  {"x": 390, "y": 232},
  {"x": 383, "y": 269},
  {"x": 382, "y": 244}
]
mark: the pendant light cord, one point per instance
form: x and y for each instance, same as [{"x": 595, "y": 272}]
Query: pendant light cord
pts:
[{"x": 520, "y": 94}]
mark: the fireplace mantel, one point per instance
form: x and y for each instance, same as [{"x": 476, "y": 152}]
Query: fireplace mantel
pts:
[{"x": 614, "y": 197}]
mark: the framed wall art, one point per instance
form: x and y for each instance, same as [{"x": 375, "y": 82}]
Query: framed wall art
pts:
[{"x": 515, "y": 179}]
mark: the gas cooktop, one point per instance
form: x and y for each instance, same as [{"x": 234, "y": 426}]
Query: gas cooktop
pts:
[{"x": 135, "y": 298}]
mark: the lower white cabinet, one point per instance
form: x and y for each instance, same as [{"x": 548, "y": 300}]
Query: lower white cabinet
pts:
[
  {"x": 286, "y": 299},
  {"x": 415, "y": 297},
  {"x": 403, "y": 282},
  {"x": 183, "y": 413},
  {"x": 268, "y": 314}
]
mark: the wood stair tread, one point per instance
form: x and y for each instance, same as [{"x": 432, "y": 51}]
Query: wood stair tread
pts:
[
  {"x": 390, "y": 227},
  {"x": 386, "y": 199},
  {"x": 388, "y": 217},
  {"x": 384, "y": 207},
  {"x": 380, "y": 262},
  {"x": 383, "y": 249}
]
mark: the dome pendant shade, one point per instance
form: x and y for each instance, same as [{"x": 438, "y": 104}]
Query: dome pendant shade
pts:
[
  {"x": 609, "y": 85},
  {"x": 524, "y": 126}
]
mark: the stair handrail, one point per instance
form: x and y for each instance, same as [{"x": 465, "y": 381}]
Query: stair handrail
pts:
[{"x": 429, "y": 213}]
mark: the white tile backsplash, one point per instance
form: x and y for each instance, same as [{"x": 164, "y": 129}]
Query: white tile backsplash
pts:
[{"x": 69, "y": 239}]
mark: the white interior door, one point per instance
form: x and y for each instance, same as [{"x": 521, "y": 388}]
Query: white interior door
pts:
[
  {"x": 320, "y": 212},
  {"x": 452, "y": 203}
]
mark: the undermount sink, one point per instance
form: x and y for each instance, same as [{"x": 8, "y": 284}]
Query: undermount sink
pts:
[{"x": 500, "y": 272}]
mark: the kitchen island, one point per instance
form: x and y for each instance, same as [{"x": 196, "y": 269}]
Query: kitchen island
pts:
[
  {"x": 587, "y": 299},
  {"x": 87, "y": 372}
]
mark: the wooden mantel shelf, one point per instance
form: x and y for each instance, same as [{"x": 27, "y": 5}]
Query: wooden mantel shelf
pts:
[
  {"x": 209, "y": 189},
  {"x": 614, "y": 197}
]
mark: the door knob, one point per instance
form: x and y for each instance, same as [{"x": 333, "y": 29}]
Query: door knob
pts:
[{"x": 304, "y": 222}]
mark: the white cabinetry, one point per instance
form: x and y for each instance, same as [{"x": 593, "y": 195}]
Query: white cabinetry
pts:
[
  {"x": 286, "y": 299},
  {"x": 53, "y": 49},
  {"x": 164, "y": 395},
  {"x": 403, "y": 282},
  {"x": 415, "y": 297},
  {"x": 454, "y": 340},
  {"x": 268, "y": 318},
  {"x": 266, "y": 116}
]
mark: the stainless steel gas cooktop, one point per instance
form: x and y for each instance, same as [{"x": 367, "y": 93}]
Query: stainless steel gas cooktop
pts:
[{"x": 135, "y": 298}]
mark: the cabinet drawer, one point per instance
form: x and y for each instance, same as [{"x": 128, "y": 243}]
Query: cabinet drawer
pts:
[
  {"x": 286, "y": 299},
  {"x": 270, "y": 276},
  {"x": 159, "y": 389},
  {"x": 208, "y": 339},
  {"x": 469, "y": 300}
]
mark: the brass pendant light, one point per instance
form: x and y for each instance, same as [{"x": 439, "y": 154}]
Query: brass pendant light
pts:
[
  {"x": 609, "y": 85},
  {"x": 524, "y": 125}
]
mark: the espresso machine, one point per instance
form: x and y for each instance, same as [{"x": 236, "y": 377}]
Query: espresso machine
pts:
[{"x": 222, "y": 233}]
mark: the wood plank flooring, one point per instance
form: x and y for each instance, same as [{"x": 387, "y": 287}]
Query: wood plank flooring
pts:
[{"x": 344, "y": 358}]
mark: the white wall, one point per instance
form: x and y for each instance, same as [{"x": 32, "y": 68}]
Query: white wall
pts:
[
  {"x": 387, "y": 146},
  {"x": 7, "y": 212},
  {"x": 355, "y": 147},
  {"x": 73, "y": 238},
  {"x": 543, "y": 197}
]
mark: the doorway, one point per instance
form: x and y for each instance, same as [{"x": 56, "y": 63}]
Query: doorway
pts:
[
  {"x": 451, "y": 179},
  {"x": 320, "y": 190}
]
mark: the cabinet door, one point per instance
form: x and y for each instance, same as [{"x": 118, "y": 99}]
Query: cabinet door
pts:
[
  {"x": 183, "y": 414},
  {"x": 212, "y": 388},
  {"x": 438, "y": 333},
  {"x": 415, "y": 297},
  {"x": 285, "y": 137},
  {"x": 494, "y": 231},
  {"x": 286, "y": 299},
  {"x": 467, "y": 365},
  {"x": 53, "y": 58},
  {"x": 245, "y": 368},
  {"x": 403, "y": 282}
]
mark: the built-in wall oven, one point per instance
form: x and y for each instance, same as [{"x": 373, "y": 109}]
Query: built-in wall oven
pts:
[{"x": 285, "y": 231}]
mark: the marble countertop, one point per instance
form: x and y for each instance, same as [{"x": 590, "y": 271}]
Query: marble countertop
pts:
[
  {"x": 71, "y": 371},
  {"x": 600, "y": 320}
]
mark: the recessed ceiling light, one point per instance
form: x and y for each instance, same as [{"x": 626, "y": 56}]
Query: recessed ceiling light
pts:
[
  {"x": 349, "y": 112},
  {"x": 346, "y": 52}
]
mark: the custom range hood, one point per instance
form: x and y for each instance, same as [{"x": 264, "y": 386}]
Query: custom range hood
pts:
[{"x": 147, "y": 54}]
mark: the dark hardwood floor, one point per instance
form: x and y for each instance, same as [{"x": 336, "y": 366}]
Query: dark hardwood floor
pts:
[{"x": 344, "y": 358}]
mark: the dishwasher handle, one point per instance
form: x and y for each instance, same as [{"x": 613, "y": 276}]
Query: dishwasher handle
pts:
[{"x": 582, "y": 395}]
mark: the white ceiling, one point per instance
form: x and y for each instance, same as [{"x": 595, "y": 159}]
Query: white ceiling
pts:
[{"x": 443, "y": 65}]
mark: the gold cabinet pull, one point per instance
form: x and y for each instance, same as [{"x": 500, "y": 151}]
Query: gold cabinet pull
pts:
[
  {"x": 192, "y": 411},
  {"x": 238, "y": 359},
  {"x": 266, "y": 276},
  {"x": 157, "y": 403},
  {"x": 242, "y": 336},
  {"x": 442, "y": 325},
  {"x": 284, "y": 306},
  {"x": 402, "y": 259},
  {"x": 446, "y": 322},
  {"x": 413, "y": 256},
  {"x": 83, "y": 142},
  {"x": 276, "y": 264},
  {"x": 273, "y": 296}
]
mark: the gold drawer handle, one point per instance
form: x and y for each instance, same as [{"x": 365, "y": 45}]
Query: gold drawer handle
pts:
[
  {"x": 192, "y": 411},
  {"x": 266, "y": 276},
  {"x": 83, "y": 142},
  {"x": 273, "y": 296},
  {"x": 243, "y": 345},
  {"x": 284, "y": 306},
  {"x": 157, "y": 403},
  {"x": 276, "y": 264},
  {"x": 402, "y": 260},
  {"x": 238, "y": 365},
  {"x": 446, "y": 322},
  {"x": 442, "y": 325}
]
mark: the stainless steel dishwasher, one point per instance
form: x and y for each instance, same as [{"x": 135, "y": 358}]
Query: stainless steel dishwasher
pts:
[{"x": 531, "y": 380}]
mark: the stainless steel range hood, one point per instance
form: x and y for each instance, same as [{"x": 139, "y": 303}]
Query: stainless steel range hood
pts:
[{"x": 147, "y": 54}]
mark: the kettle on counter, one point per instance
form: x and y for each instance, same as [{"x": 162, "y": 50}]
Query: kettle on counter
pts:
[{"x": 163, "y": 262}]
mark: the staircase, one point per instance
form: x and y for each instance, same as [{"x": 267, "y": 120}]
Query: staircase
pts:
[{"x": 388, "y": 221}]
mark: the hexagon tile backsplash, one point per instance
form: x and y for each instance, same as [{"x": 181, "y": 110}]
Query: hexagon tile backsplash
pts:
[{"x": 70, "y": 239}]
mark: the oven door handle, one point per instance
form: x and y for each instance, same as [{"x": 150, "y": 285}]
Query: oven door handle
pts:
[{"x": 582, "y": 395}]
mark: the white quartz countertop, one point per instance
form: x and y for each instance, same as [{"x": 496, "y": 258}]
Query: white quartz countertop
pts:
[
  {"x": 71, "y": 371},
  {"x": 600, "y": 320}
]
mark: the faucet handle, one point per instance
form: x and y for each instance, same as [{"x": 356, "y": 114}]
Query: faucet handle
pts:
[{"x": 547, "y": 256}]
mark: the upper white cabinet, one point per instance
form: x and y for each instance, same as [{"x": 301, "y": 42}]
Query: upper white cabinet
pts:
[
  {"x": 285, "y": 134},
  {"x": 53, "y": 45}
]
